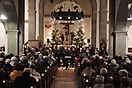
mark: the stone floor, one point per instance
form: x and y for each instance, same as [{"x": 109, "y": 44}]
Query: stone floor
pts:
[{"x": 65, "y": 79}]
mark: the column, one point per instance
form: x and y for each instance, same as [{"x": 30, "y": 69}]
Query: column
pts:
[
  {"x": 120, "y": 43},
  {"x": 103, "y": 21},
  {"x": 112, "y": 27},
  {"x": 94, "y": 27},
  {"x": 97, "y": 25},
  {"x": 21, "y": 13},
  {"x": 12, "y": 41},
  {"x": 41, "y": 21},
  {"x": 32, "y": 20}
]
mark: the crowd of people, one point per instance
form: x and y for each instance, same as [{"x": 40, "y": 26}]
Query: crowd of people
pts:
[
  {"x": 103, "y": 71},
  {"x": 100, "y": 69}
]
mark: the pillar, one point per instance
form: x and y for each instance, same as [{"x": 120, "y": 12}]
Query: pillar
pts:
[
  {"x": 112, "y": 27},
  {"x": 120, "y": 43},
  {"x": 97, "y": 25},
  {"x": 103, "y": 20},
  {"x": 12, "y": 41},
  {"x": 32, "y": 20},
  {"x": 94, "y": 22},
  {"x": 21, "y": 13},
  {"x": 41, "y": 21}
]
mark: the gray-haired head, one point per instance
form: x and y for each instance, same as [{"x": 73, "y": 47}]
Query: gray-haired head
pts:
[
  {"x": 99, "y": 79},
  {"x": 103, "y": 71},
  {"x": 122, "y": 73}
]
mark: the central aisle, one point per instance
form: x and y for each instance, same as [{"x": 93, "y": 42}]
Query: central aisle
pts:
[{"x": 65, "y": 79}]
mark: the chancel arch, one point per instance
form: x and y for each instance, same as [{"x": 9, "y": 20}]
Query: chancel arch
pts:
[{"x": 87, "y": 23}]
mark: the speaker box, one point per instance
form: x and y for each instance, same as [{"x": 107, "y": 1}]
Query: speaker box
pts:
[
  {"x": 88, "y": 40},
  {"x": 48, "y": 41}
]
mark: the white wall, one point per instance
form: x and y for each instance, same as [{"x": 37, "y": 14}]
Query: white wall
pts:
[
  {"x": 2, "y": 35},
  {"x": 130, "y": 37},
  {"x": 86, "y": 27},
  {"x": 26, "y": 22}
]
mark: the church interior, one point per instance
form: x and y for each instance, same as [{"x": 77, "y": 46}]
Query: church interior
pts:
[{"x": 65, "y": 43}]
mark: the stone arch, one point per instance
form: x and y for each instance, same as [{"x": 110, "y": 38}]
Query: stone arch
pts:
[
  {"x": 11, "y": 13},
  {"x": 122, "y": 14},
  {"x": 41, "y": 20},
  {"x": 120, "y": 27},
  {"x": 94, "y": 21}
]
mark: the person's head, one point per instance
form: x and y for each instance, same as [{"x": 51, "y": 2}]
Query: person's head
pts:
[
  {"x": 69, "y": 48},
  {"x": 23, "y": 58},
  {"x": 109, "y": 86},
  {"x": 40, "y": 55},
  {"x": 123, "y": 73},
  {"x": 96, "y": 49},
  {"x": 113, "y": 61},
  {"x": 17, "y": 66},
  {"x": 103, "y": 71},
  {"x": 125, "y": 82},
  {"x": 93, "y": 73},
  {"x": 73, "y": 49},
  {"x": 99, "y": 79},
  {"x": 102, "y": 48},
  {"x": 27, "y": 70},
  {"x": 7, "y": 61},
  {"x": 13, "y": 59},
  {"x": 65, "y": 48}
]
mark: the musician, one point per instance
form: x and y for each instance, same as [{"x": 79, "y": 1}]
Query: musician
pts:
[
  {"x": 67, "y": 56},
  {"x": 62, "y": 37},
  {"x": 80, "y": 53},
  {"x": 73, "y": 55},
  {"x": 58, "y": 53}
]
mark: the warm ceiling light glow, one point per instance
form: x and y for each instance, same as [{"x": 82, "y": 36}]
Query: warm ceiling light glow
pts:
[{"x": 3, "y": 17}]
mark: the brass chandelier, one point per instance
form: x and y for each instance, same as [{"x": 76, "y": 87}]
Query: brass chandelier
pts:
[{"x": 67, "y": 10}]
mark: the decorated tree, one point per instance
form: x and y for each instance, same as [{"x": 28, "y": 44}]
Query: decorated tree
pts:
[
  {"x": 79, "y": 37},
  {"x": 55, "y": 40}
]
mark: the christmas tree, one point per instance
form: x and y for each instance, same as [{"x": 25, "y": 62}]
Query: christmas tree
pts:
[
  {"x": 79, "y": 38},
  {"x": 55, "y": 40}
]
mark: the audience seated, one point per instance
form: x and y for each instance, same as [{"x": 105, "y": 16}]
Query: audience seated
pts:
[
  {"x": 125, "y": 82},
  {"x": 13, "y": 61},
  {"x": 87, "y": 71},
  {"x": 25, "y": 80},
  {"x": 113, "y": 67},
  {"x": 17, "y": 71},
  {"x": 109, "y": 86},
  {"x": 107, "y": 79},
  {"x": 101, "y": 70},
  {"x": 2, "y": 85},
  {"x": 7, "y": 68},
  {"x": 99, "y": 80}
]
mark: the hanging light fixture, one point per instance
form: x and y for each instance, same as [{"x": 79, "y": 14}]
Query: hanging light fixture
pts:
[
  {"x": 67, "y": 10},
  {"x": 2, "y": 16}
]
